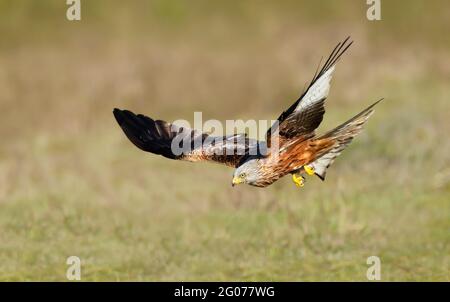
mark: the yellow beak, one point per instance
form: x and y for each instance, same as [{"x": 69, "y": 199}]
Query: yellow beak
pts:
[{"x": 236, "y": 181}]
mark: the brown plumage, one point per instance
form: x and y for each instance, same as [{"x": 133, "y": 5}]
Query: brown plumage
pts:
[{"x": 258, "y": 163}]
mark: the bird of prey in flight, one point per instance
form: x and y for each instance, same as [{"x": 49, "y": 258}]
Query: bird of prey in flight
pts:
[{"x": 299, "y": 149}]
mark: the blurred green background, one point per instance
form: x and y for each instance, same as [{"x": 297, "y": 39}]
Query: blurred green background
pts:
[{"x": 72, "y": 184}]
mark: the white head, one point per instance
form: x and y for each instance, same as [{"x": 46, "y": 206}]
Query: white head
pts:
[{"x": 249, "y": 172}]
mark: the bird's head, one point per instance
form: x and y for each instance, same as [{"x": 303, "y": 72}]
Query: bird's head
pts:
[{"x": 248, "y": 173}]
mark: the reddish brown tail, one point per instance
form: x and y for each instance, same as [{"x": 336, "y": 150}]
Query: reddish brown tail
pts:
[{"x": 342, "y": 135}]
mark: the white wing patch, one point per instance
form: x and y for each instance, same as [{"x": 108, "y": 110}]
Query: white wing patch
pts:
[{"x": 318, "y": 91}]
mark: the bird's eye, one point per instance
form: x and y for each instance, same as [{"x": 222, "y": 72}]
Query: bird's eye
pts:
[{"x": 242, "y": 175}]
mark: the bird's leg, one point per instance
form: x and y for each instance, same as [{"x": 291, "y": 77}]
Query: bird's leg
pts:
[
  {"x": 309, "y": 169},
  {"x": 298, "y": 179}
]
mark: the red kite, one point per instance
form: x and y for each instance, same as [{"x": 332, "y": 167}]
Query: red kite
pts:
[{"x": 300, "y": 150}]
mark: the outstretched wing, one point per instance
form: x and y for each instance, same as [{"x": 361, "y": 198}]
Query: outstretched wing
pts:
[
  {"x": 169, "y": 140},
  {"x": 306, "y": 114}
]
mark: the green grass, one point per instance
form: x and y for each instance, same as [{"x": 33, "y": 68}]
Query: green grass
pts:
[
  {"x": 72, "y": 184},
  {"x": 135, "y": 217}
]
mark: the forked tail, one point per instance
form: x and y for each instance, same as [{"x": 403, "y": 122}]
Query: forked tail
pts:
[{"x": 342, "y": 135}]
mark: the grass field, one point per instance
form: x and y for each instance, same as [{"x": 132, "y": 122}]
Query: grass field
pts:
[{"x": 72, "y": 184}]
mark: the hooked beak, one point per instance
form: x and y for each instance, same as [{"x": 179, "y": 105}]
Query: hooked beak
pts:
[{"x": 236, "y": 181}]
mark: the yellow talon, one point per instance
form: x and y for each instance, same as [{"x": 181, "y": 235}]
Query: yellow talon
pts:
[
  {"x": 298, "y": 180},
  {"x": 309, "y": 169}
]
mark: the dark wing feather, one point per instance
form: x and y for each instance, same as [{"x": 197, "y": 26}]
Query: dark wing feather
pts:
[
  {"x": 156, "y": 136},
  {"x": 306, "y": 114}
]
